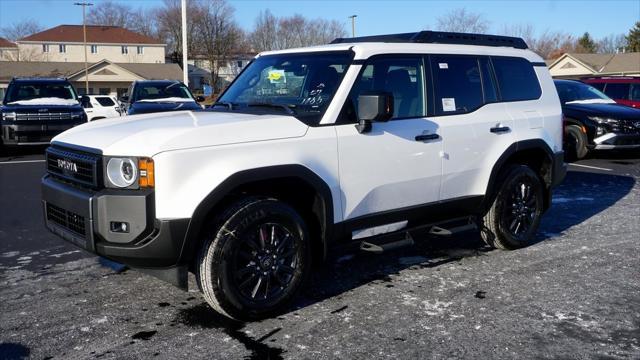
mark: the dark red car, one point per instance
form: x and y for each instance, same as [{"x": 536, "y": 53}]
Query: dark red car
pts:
[{"x": 623, "y": 89}]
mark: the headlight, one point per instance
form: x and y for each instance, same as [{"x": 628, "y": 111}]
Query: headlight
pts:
[
  {"x": 604, "y": 120},
  {"x": 77, "y": 115},
  {"x": 129, "y": 173},
  {"x": 9, "y": 116},
  {"x": 122, "y": 172}
]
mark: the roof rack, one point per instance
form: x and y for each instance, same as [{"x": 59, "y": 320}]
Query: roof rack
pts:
[{"x": 438, "y": 37}]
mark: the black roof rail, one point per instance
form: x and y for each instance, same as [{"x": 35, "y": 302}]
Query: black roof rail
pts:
[{"x": 439, "y": 37}]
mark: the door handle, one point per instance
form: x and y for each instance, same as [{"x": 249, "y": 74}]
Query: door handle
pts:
[
  {"x": 500, "y": 129},
  {"x": 427, "y": 137}
]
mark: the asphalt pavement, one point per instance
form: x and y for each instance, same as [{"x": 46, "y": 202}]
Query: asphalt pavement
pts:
[{"x": 574, "y": 294}]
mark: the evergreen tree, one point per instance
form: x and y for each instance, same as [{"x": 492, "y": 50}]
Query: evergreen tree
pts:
[
  {"x": 586, "y": 44},
  {"x": 633, "y": 39}
]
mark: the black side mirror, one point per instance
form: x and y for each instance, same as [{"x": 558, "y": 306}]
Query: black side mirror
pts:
[
  {"x": 124, "y": 98},
  {"x": 373, "y": 107},
  {"x": 200, "y": 98},
  {"x": 85, "y": 101}
]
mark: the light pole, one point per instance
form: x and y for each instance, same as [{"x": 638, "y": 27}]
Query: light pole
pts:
[
  {"x": 353, "y": 25},
  {"x": 84, "y": 36},
  {"x": 185, "y": 65}
]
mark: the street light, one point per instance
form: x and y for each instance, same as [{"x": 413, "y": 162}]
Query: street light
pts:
[
  {"x": 353, "y": 25},
  {"x": 84, "y": 36}
]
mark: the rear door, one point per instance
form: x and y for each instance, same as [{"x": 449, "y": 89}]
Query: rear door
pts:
[{"x": 475, "y": 128}]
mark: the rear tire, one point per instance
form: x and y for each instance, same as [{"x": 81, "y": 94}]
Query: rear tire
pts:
[
  {"x": 514, "y": 216},
  {"x": 576, "y": 142},
  {"x": 255, "y": 259}
]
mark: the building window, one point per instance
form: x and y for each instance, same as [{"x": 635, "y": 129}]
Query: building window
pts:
[
  {"x": 104, "y": 91},
  {"x": 94, "y": 49},
  {"x": 62, "y": 48},
  {"x": 125, "y": 50},
  {"x": 45, "y": 48},
  {"x": 140, "y": 50}
]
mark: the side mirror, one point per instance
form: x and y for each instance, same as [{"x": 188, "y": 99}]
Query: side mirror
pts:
[
  {"x": 373, "y": 107},
  {"x": 124, "y": 98},
  {"x": 200, "y": 98},
  {"x": 85, "y": 101}
]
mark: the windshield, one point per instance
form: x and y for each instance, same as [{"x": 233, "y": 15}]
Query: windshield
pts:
[
  {"x": 299, "y": 84},
  {"x": 577, "y": 92},
  {"x": 26, "y": 92},
  {"x": 168, "y": 92}
]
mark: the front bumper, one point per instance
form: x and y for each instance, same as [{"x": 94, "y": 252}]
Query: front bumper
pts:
[
  {"x": 617, "y": 141},
  {"x": 32, "y": 132},
  {"x": 83, "y": 217}
]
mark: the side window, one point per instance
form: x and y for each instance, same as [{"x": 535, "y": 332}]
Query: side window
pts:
[
  {"x": 516, "y": 79},
  {"x": 617, "y": 91},
  {"x": 402, "y": 77},
  {"x": 635, "y": 92},
  {"x": 458, "y": 84},
  {"x": 105, "y": 101},
  {"x": 599, "y": 86}
]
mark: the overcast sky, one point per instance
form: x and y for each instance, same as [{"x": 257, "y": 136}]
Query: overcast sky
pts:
[{"x": 600, "y": 18}]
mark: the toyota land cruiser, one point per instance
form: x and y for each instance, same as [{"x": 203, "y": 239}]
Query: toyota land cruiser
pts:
[{"x": 351, "y": 142}]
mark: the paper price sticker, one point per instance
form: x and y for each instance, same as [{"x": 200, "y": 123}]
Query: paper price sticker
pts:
[{"x": 448, "y": 104}]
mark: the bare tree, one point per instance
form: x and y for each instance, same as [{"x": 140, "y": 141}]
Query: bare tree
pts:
[
  {"x": 548, "y": 44},
  {"x": 612, "y": 43},
  {"x": 461, "y": 20},
  {"x": 169, "y": 27},
  {"x": 20, "y": 29},
  {"x": 110, "y": 13},
  {"x": 272, "y": 33},
  {"x": 219, "y": 35}
]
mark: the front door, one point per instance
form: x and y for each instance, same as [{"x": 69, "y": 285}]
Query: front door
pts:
[{"x": 395, "y": 166}]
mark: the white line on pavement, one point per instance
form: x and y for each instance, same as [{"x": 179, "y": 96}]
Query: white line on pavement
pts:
[
  {"x": 590, "y": 167},
  {"x": 20, "y": 162}
]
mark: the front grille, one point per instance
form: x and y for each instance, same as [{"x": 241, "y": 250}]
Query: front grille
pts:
[
  {"x": 43, "y": 116},
  {"x": 67, "y": 219},
  {"x": 629, "y": 127},
  {"x": 81, "y": 168}
]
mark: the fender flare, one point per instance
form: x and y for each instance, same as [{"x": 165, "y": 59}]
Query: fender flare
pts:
[
  {"x": 516, "y": 147},
  {"x": 252, "y": 175}
]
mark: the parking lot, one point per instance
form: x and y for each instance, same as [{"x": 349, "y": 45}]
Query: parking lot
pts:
[{"x": 574, "y": 294}]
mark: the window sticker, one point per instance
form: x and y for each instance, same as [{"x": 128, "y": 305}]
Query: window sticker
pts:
[
  {"x": 277, "y": 77},
  {"x": 443, "y": 66},
  {"x": 448, "y": 104}
]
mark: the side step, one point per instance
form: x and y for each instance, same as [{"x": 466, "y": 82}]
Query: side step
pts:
[
  {"x": 380, "y": 244},
  {"x": 449, "y": 231}
]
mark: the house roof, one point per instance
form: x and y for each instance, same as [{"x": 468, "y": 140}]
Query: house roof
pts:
[
  {"x": 97, "y": 34},
  {"x": 607, "y": 63},
  {"x": 4, "y": 43},
  {"x": 10, "y": 69}
]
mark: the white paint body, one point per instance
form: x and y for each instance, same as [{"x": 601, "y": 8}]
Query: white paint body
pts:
[
  {"x": 97, "y": 111},
  {"x": 383, "y": 170}
]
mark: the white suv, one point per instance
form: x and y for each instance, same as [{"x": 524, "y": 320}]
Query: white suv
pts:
[
  {"x": 358, "y": 141},
  {"x": 99, "y": 107}
]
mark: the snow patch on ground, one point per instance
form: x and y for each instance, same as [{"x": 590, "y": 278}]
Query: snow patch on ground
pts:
[
  {"x": 436, "y": 307},
  {"x": 563, "y": 200},
  {"x": 10, "y": 254},
  {"x": 64, "y": 253}
]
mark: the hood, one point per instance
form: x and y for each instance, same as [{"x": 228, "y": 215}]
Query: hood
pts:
[
  {"x": 76, "y": 107},
  {"x": 144, "y": 107},
  {"x": 615, "y": 111},
  {"x": 150, "y": 134}
]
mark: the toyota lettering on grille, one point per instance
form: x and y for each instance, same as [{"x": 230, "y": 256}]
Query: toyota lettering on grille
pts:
[{"x": 67, "y": 165}]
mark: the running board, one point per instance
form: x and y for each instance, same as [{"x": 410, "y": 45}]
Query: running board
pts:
[
  {"x": 378, "y": 245},
  {"x": 440, "y": 231}
]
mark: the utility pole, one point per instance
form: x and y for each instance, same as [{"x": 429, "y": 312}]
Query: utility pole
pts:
[
  {"x": 353, "y": 25},
  {"x": 84, "y": 36},
  {"x": 185, "y": 55}
]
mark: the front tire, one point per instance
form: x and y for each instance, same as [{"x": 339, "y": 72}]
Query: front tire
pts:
[
  {"x": 576, "y": 142},
  {"x": 514, "y": 216},
  {"x": 255, "y": 259}
]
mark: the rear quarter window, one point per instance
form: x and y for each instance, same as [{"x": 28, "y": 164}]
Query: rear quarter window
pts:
[
  {"x": 517, "y": 80},
  {"x": 105, "y": 101}
]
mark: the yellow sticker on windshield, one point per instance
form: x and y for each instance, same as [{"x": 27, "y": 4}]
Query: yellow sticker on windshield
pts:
[{"x": 276, "y": 76}]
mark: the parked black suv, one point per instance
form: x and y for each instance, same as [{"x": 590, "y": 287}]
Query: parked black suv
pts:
[
  {"x": 36, "y": 109},
  {"x": 592, "y": 120},
  {"x": 149, "y": 96}
]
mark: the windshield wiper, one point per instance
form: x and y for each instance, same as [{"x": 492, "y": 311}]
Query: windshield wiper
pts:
[
  {"x": 287, "y": 108},
  {"x": 225, "y": 103}
]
